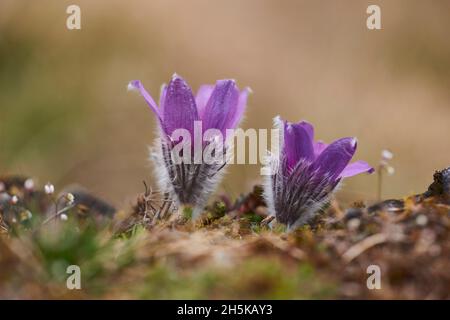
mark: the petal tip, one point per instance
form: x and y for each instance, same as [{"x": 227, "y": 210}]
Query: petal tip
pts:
[
  {"x": 228, "y": 80},
  {"x": 304, "y": 123},
  {"x": 177, "y": 77},
  {"x": 227, "y": 83},
  {"x": 277, "y": 122},
  {"x": 133, "y": 85}
]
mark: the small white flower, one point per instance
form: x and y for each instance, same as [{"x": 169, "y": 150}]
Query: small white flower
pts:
[
  {"x": 386, "y": 155},
  {"x": 14, "y": 199},
  {"x": 49, "y": 188},
  {"x": 70, "y": 199},
  {"x": 390, "y": 170},
  {"x": 421, "y": 220},
  {"x": 353, "y": 224},
  {"x": 29, "y": 214},
  {"x": 29, "y": 184},
  {"x": 63, "y": 217}
]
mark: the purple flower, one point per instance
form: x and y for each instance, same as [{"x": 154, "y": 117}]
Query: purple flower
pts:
[
  {"x": 307, "y": 172},
  {"x": 220, "y": 107}
]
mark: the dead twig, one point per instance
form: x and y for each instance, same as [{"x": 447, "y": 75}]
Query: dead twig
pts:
[
  {"x": 57, "y": 214},
  {"x": 363, "y": 245},
  {"x": 267, "y": 220}
]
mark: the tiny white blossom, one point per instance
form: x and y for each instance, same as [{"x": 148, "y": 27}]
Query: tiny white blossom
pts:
[
  {"x": 29, "y": 184},
  {"x": 387, "y": 155},
  {"x": 390, "y": 170},
  {"x": 29, "y": 214},
  {"x": 64, "y": 217},
  {"x": 49, "y": 188},
  {"x": 14, "y": 199},
  {"x": 70, "y": 199},
  {"x": 421, "y": 220},
  {"x": 353, "y": 224}
]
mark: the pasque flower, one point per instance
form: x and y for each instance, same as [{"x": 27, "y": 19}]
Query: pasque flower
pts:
[
  {"x": 305, "y": 172},
  {"x": 218, "y": 107}
]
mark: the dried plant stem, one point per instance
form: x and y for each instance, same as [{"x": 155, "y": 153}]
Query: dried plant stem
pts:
[
  {"x": 363, "y": 245},
  {"x": 57, "y": 214},
  {"x": 380, "y": 182}
]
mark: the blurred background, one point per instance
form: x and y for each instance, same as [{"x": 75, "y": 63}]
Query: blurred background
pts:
[{"x": 66, "y": 116}]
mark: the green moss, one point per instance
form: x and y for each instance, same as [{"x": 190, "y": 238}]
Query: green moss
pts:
[
  {"x": 187, "y": 213},
  {"x": 255, "y": 278}
]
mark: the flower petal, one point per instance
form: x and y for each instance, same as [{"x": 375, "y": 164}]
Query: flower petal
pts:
[
  {"x": 335, "y": 157},
  {"x": 319, "y": 146},
  {"x": 162, "y": 97},
  {"x": 180, "y": 110},
  {"x": 202, "y": 98},
  {"x": 137, "y": 85},
  {"x": 355, "y": 168},
  {"x": 309, "y": 129},
  {"x": 242, "y": 104},
  {"x": 297, "y": 143},
  {"x": 221, "y": 107}
]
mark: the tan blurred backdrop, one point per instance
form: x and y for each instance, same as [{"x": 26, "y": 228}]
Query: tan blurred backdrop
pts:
[{"x": 66, "y": 116}]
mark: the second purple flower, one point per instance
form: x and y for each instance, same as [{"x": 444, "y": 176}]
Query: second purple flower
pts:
[{"x": 306, "y": 172}]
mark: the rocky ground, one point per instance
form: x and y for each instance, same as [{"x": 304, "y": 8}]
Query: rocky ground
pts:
[{"x": 234, "y": 251}]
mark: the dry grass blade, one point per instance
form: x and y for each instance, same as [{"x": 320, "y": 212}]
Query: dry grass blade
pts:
[{"x": 369, "y": 242}]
